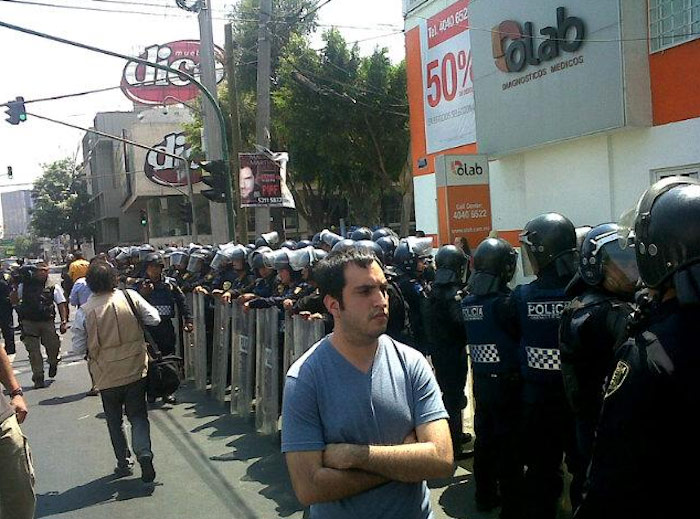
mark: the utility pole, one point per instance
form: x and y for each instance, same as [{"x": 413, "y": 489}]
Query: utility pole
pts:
[
  {"x": 262, "y": 120},
  {"x": 235, "y": 132},
  {"x": 212, "y": 135}
]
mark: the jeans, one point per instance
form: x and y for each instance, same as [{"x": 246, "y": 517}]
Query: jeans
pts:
[
  {"x": 17, "y": 499},
  {"x": 132, "y": 399}
]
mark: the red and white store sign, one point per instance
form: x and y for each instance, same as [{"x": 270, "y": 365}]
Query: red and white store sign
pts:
[
  {"x": 152, "y": 86},
  {"x": 448, "y": 90}
]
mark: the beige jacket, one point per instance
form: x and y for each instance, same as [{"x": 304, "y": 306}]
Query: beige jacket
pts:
[{"x": 115, "y": 343}]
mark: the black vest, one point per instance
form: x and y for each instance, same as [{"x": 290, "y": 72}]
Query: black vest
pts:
[
  {"x": 491, "y": 349},
  {"x": 37, "y": 302}
]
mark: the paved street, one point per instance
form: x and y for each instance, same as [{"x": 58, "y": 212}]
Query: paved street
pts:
[{"x": 209, "y": 464}]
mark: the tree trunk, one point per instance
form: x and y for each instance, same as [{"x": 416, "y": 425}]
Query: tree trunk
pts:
[{"x": 407, "y": 194}]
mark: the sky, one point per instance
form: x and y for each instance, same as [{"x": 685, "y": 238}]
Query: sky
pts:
[{"x": 36, "y": 68}]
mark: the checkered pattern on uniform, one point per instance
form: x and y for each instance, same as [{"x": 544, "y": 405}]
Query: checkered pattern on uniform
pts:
[
  {"x": 163, "y": 310},
  {"x": 487, "y": 353},
  {"x": 543, "y": 358}
]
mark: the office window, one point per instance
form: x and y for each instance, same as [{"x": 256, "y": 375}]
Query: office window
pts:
[{"x": 672, "y": 22}]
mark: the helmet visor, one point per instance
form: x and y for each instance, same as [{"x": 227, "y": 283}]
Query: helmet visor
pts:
[
  {"x": 195, "y": 264},
  {"x": 620, "y": 265}
]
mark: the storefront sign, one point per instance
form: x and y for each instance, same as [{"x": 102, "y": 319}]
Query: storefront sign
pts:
[
  {"x": 547, "y": 71},
  {"x": 167, "y": 171},
  {"x": 464, "y": 202},
  {"x": 152, "y": 86},
  {"x": 263, "y": 180},
  {"x": 448, "y": 92}
]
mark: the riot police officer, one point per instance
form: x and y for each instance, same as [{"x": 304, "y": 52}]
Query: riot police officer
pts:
[
  {"x": 6, "y": 319},
  {"x": 445, "y": 332},
  {"x": 411, "y": 257},
  {"x": 493, "y": 348},
  {"x": 548, "y": 242},
  {"x": 594, "y": 324},
  {"x": 636, "y": 472},
  {"x": 164, "y": 295}
]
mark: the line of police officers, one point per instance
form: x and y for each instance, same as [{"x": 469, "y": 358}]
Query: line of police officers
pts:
[{"x": 570, "y": 368}]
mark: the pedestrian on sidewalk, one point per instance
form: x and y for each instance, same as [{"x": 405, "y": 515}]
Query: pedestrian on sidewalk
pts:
[
  {"x": 17, "y": 498},
  {"x": 372, "y": 459},
  {"x": 118, "y": 360}
]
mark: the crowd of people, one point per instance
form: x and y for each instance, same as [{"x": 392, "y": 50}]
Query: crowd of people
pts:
[{"x": 588, "y": 367}]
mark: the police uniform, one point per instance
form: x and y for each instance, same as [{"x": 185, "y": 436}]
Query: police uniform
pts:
[
  {"x": 592, "y": 326},
  {"x": 548, "y": 425},
  {"x": 497, "y": 383},
  {"x": 6, "y": 321},
  {"x": 165, "y": 297},
  {"x": 645, "y": 457},
  {"x": 415, "y": 292},
  {"x": 448, "y": 340}
]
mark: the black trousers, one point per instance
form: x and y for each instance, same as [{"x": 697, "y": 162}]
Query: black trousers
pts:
[
  {"x": 8, "y": 332},
  {"x": 497, "y": 461},
  {"x": 451, "y": 373}
]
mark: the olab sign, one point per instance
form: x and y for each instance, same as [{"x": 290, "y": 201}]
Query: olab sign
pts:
[{"x": 515, "y": 46}]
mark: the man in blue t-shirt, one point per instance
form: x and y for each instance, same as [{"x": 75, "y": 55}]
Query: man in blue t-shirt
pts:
[{"x": 363, "y": 424}]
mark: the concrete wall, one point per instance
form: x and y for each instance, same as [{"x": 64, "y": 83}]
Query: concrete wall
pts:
[{"x": 589, "y": 179}]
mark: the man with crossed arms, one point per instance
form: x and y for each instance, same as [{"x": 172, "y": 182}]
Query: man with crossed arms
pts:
[{"x": 363, "y": 424}]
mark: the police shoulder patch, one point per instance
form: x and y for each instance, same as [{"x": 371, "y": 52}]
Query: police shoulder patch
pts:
[
  {"x": 226, "y": 285},
  {"x": 617, "y": 378},
  {"x": 297, "y": 291}
]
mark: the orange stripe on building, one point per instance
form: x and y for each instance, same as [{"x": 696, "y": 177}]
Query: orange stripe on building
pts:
[{"x": 675, "y": 80}]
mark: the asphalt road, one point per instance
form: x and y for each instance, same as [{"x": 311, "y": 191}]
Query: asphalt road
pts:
[{"x": 209, "y": 464}]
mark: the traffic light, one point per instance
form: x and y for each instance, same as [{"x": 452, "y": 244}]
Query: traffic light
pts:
[
  {"x": 216, "y": 179},
  {"x": 15, "y": 111},
  {"x": 9, "y": 172},
  {"x": 144, "y": 218},
  {"x": 186, "y": 212}
]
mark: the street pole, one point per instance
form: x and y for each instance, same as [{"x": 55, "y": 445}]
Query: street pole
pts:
[
  {"x": 214, "y": 142},
  {"x": 262, "y": 120},
  {"x": 190, "y": 193},
  {"x": 235, "y": 130}
]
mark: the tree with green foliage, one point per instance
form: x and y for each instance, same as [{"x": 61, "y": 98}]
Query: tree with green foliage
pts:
[
  {"x": 62, "y": 203},
  {"x": 27, "y": 246},
  {"x": 344, "y": 120}
]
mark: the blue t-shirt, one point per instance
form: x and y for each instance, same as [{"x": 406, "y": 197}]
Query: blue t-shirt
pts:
[{"x": 328, "y": 400}]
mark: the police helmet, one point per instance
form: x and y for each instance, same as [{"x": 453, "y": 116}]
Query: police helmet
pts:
[
  {"x": 452, "y": 264},
  {"x": 223, "y": 258},
  {"x": 316, "y": 240},
  {"x": 134, "y": 252},
  {"x": 381, "y": 233},
  {"x": 145, "y": 250},
  {"x": 550, "y": 238},
  {"x": 122, "y": 256},
  {"x": 361, "y": 233},
  {"x": 602, "y": 251},
  {"x": 388, "y": 244},
  {"x": 302, "y": 244},
  {"x": 581, "y": 233},
  {"x": 494, "y": 266},
  {"x": 288, "y": 244},
  {"x": 667, "y": 234},
  {"x": 330, "y": 238},
  {"x": 196, "y": 262},
  {"x": 343, "y": 245},
  {"x": 370, "y": 247},
  {"x": 410, "y": 251},
  {"x": 280, "y": 259},
  {"x": 179, "y": 259},
  {"x": 239, "y": 253},
  {"x": 268, "y": 239},
  {"x": 255, "y": 259},
  {"x": 113, "y": 252},
  {"x": 153, "y": 258}
]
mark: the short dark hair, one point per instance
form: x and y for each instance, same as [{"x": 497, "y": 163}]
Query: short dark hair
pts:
[
  {"x": 329, "y": 273},
  {"x": 101, "y": 277},
  {"x": 78, "y": 255}
]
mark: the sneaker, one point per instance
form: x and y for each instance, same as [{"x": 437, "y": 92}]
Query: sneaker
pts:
[
  {"x": 148, "y": 473},
  {"x": 124, "y": 470},
  {"x": 39, "y": 384},
  {"x": 53, "y": 368},
  {"x": 170, "y": 399}
]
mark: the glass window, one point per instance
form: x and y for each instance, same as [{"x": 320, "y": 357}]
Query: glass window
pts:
[{"x": 672, "y": 22}]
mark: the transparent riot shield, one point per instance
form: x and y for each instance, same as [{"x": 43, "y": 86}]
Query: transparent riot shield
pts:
[
  {"x": 243, "y": 361},
  {"x": 306, "y": 334},
  {"x": 200, "y": 343},
  {"x": 288, "y": 354},
  {"x": 188, "y": 341},
  {"x": 221, "y": 351},
  {"x": 267, "y": 396}
]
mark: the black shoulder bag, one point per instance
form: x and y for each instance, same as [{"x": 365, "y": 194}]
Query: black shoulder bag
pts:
[{"x": 163, "y": 371}]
